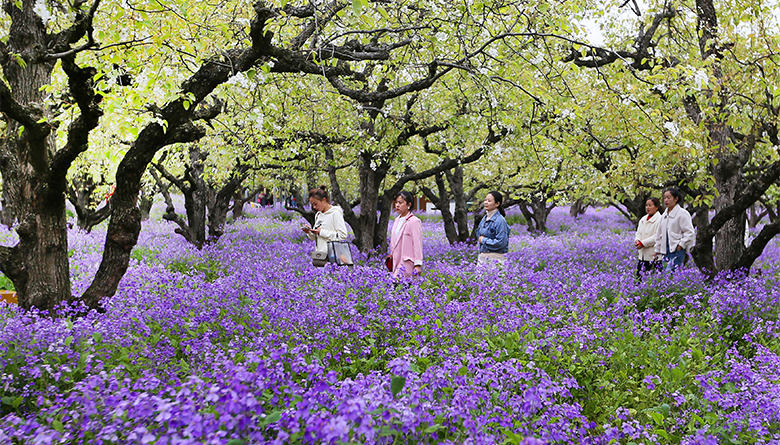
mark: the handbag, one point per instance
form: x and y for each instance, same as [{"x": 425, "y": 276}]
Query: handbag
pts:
[
  {"x": 319, "y": 258},
  {"x": 340, "y": 253},
  {"x": 389, "y": 263}
]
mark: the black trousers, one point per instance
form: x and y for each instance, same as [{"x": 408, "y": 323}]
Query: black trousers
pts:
[{"x": 645, "y": 267}]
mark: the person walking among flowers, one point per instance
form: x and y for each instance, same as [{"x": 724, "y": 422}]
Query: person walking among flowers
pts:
[
  {"x": 329, "y": 222},
  {"x": 644, "y": 241},
  {"x": 493, "y": 231},
  {"x": 406, "y": 253},
  {"x": 675, "y": 233}
]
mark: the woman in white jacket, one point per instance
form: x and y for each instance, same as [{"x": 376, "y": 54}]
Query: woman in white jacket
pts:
[
  {"x": 675, "y": 233},
  {"x": 328, "y": 223},
  {"x": 644, "y": 241}
]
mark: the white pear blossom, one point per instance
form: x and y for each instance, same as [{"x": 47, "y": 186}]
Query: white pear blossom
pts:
[
  {"x": 700, "y": 78},
  {"x": 672, "y": 127},
  {"x": 42, "y": 11}
]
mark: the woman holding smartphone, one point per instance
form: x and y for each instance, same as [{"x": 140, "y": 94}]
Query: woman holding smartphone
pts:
[{"x": 328, "y": 222}]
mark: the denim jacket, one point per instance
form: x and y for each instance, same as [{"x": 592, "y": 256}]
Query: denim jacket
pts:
[{"x": 496, "y": 233}]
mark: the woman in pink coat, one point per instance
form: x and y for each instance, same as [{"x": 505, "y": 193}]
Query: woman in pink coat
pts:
[{"x": 406, "y": 238}]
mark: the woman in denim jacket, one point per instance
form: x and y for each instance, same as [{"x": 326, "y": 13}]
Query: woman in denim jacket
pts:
[{"x": 493, "y": 231}]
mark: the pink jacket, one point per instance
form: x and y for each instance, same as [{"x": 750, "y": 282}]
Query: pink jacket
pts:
[{"x": 406, "y": 248}]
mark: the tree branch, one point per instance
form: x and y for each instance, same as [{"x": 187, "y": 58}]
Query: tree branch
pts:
[
  {"x": 82, "y": 25},
  {"x": 81, "y": 86},
  {"x": 747, "y": 197},
  {"x": 596, "y": 57},
  {"x": 179, "y": 183},
  {"x": 28, "y": 116}
]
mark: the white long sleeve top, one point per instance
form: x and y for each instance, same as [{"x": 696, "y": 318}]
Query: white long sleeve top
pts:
[{"x": 332, "y": 228}]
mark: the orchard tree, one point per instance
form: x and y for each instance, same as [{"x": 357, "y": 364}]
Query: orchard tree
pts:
[
  {"x": 450, "y": 188},
  {"x": 709, "y": 71}
]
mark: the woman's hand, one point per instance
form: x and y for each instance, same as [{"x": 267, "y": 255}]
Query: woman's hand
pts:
[
  {"x": 315, "y": 231},
  {"x": 638, "y": 244},
  {"x": 418, "y": 269},
  {"x": 481, "y": 239}
]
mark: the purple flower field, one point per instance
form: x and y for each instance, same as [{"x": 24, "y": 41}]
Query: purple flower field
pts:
[{"x": 245, "y": 343}]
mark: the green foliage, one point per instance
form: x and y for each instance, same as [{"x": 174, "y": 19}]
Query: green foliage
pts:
[
  {"x": 284, "y": 215},
  {"x": 210, "y": 268},
  {"x": 144, "y": 254},
  {"x": 6, "y": 283},
  {"x": 516, "y": 219}
]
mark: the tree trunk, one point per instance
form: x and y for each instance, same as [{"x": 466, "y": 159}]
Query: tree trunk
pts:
[
  {"x": 442, "y": 202},
  {"x": 44, "y": 280},
  {"x": 195, "y": 205},
  {"x": 756, "y": 214},
  {"x": 368, "y": 235},
  {"x": 7, "y": 217},
  {"x": 578, "y": 208},
  {"x": 477, "y": 219},
  {"x": 730, "y": 239},
  {"x": 38, "y": 264},
  {"x": 196, "y": 196},
  {"x": 145, "y": 202},
  {"x": 540, "y": 212},
  {"x": 455, "y": 180},
  {"x": 633, "y": 208},
  {"x": 238, "y": 203},
  {"x": 81, "y": 196}
]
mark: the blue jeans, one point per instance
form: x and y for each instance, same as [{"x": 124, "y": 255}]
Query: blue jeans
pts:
[{"x": 674, "y": 260}]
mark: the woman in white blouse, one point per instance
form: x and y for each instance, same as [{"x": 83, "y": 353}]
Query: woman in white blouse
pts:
[
  {"x": 644, "y": 241},
  {"x": 675, "y": 233},
  {"x": 329, "y": 222}
]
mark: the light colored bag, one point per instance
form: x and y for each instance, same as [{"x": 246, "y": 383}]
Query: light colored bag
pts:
[
  {"x": 319, "y": 259},
  {"x": 339, "y": 252}
]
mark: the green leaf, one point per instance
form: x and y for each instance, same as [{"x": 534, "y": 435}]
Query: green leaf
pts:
[
  {"x": 657, "y": 417},
  {"x": 357, "y": 7},
  {"x": 20, "y": 61},
  {"x": 432, "y": 429},
  {"x": 68, "y": 340},
  {"x": 271, "y": 418},
  {"x": 662, "y": 433},
  {"x": 397, "y": 384},
  {"x": 57, "y": 425}
]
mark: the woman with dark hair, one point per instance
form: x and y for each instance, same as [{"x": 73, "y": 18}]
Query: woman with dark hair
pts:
[
  {"x": 406, "y": 239},
  {"x": 644, "y": 241},
  {"x": 675, "y": 232},
  {"x": 328, "y": 222},
  {"x": 493, "y": 231}
]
